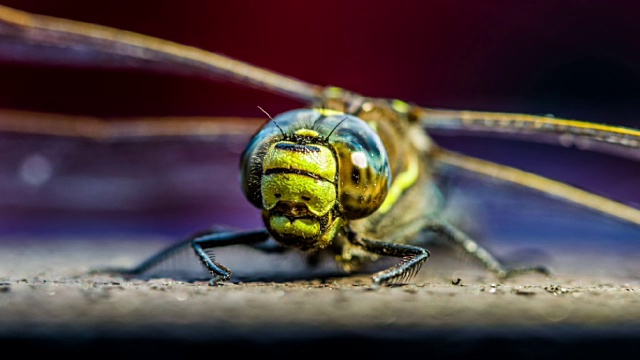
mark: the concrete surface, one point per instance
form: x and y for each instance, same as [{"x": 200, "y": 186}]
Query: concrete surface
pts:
[{"x": 49, "y": 304}]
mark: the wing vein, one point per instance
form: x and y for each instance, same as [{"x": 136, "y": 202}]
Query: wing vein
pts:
[{"x": 545, "y": 185}]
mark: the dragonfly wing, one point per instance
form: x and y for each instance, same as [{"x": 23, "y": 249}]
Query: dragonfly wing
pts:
[
  {"x": 614, "y": 140},
  {"x": 553, "y": 188},
  {"x": 503, "y": 209},
  {"x": 207, "y": 128},
  {"x": 28, "y": 37},
  {"x": 72, "y": 171}
]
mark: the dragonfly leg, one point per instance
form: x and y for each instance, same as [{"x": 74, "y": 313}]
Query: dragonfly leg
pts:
[
  {"x": 461, "y": 240},
  {"x": 160, "y": 257},
  {"x": 413, "y": 257},
  {"x": 203, "y": 243}
]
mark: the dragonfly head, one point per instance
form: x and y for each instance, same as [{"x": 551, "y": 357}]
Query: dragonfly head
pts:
[{"x": 311, "y": 172}]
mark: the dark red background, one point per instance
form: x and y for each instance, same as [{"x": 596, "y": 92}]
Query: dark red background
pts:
[
  {"x": 574, "y": 59},
  {"x": 571, "y": 58}
]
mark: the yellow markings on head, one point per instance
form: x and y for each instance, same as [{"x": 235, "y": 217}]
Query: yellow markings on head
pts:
[
  {"x": 307, "y": 133},
  {"x": 319, "y": 196},
  {"x": 328, "y": 112},
  {"x": 314, "y": 159},
  {"x": 402, "y": 182},
  {"x": 306, "y": 228}
]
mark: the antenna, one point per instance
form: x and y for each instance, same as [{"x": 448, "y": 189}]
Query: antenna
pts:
[
  {"x": 335, "y": 127},
  {"x": 274, "y": 122}
]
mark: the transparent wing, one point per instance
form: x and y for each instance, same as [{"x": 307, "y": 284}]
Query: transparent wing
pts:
[
  {"x": 588, "y": 137},
  {"x": 126, "y": 129},
  {"x": 550, "y": 187},
  {"x": 166, "y": 175},
  {"x": 29, "y": 37},
  {"x": 38, "y": 38},
  {"x": 615, "y": 140},
  {"x": 503, "y": 208}
]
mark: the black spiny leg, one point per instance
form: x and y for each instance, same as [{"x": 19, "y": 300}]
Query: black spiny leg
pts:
[
  {"x": 199, "y": 242},
  {"x": 163, "y": 256},
  {"x": 461, "y": 240},
  {"x": 413, "y": 257},
  {"x": 203, "y": 242}
]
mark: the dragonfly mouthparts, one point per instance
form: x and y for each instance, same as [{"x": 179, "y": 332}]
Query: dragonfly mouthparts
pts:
[{"x": 293, "y": 209}]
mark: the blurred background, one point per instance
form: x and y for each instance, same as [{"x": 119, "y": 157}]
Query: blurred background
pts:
[{"x": 572, "y": 59}]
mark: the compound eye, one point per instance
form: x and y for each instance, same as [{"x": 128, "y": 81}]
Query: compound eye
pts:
[{"x": 364, "y": 171}]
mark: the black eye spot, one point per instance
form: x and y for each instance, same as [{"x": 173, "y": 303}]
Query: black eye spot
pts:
[
  {"x": 355, "y": 176},
  {"x": 306, "y": 198},
  {"x": 278, "y": 196}
]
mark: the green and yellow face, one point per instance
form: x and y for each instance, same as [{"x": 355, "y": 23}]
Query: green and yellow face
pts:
[{"x": 310, "y": 171}]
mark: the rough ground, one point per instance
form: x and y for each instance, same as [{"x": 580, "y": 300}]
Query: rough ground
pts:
[{"x": 49, "y": 304}]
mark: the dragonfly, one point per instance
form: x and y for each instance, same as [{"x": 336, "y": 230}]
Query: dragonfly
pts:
[{"x": 350, "y": 174}]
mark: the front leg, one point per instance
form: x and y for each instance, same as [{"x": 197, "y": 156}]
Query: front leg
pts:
[
  {"x": 413, "y": 257},
  {"x": 203, "y": 243},
  {"x": 459, "y": 239}
]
